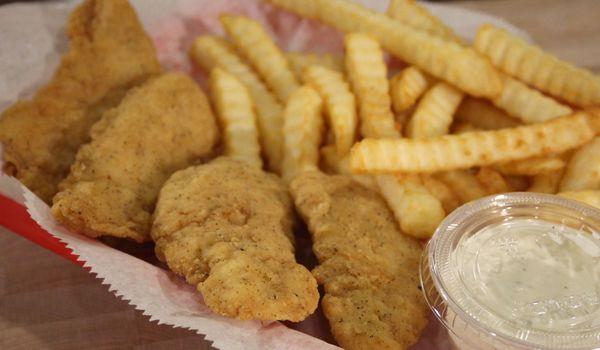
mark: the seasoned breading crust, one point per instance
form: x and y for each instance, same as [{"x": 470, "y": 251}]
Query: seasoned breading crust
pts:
[
  {"x": 109, "y": 53},
  {"x": 368, "y": 267},
  {"x": 160, "y": 127},
  {"x": 227, "y": 227}
]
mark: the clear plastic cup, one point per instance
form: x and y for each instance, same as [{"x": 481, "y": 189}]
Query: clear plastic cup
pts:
[{"x": 517, "y": 271}]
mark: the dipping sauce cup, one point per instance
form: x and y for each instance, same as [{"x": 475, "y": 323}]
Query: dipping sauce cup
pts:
[{"x": 517, "y": 271}]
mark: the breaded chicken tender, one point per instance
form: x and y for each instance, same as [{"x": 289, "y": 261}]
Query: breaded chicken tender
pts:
[
  {"x": 368, "y": 268},
  {"x": 160, "y": 127},
  {"x": 109, "y": 53},
  {"x": 226, "y": 226}
]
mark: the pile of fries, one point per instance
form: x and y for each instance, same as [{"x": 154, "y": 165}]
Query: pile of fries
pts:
[{"x": 457, "y": 123}]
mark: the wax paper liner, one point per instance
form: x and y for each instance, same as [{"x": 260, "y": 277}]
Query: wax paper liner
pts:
[{"x": 31, "y": 42}]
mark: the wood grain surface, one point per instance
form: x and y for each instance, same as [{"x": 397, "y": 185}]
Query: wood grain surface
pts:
[
  {"x": 47, "y": 302},
  {"x": 569, "y": 29}
]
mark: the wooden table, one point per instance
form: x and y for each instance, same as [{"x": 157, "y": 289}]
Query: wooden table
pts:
[
  {"x": 569, "y": 29},
  {"x": 46, "y": 302}
]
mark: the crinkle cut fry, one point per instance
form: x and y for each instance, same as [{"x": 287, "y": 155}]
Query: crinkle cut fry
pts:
[
  {"x": 492, "y": 180},
  {"x": 235, "y": 110},
  {"x": 407, "y": 87},
  {"x": 418, "y": 17},
  {"x": 465, "y": 185},
  {"x": 583, "y": 169},
  {"x": 435, "y": 112},
  {"x": 531, "y": 166},
  {"x": 546, "y": 183},
  {"x": 466, "y": 150},
  {"x": 333, "y": 164},
  {"x": 589, "y": 197},
  {"x": 367, "y": 73},
  {"x": 537, "y": 68},
  {"x": 302, "y": 130},
  {"x": 446, "y": 60},
  {"x": 300, "y": 60},
  {"x": 442, "y": 192},
  {"x": 339, "y": 104},
  {"x": 483, "y": 115},
  {"x": 528, "y": 104},
  {"x": 253, "y": 42},
  {"x": 210, "y": 52},
  {"x": 417, "y": 210}
]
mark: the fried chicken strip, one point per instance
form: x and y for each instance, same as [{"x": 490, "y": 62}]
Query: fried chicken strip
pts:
[
  {"x": 160, "y": 127},
  {"x": 226, "y": 226},
  {"x": 368, "y": 268},
  {"x": 109, "y": 53}
]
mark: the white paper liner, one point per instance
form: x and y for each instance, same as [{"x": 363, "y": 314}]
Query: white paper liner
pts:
[{"x": 31, "y": 42}]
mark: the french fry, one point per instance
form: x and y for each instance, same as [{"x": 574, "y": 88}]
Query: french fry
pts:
[
  {"x": 333, "y": 164},
  {"x": 529, "y": 105},
  {"x": 302, "y": 130},
  {"x": 594, "y": 119},
  {"x": 209, "y": 52},
  {"x": 236, "y": 115},
  {"x": 366, "y": 181},
  {"x": 466, "y": 150},
  {"x": 418, "y": 17},
  {"x": 546, "y": 183},
  {"x": 464, "y": 184},
  {"x": 253, "y": 42},
  {"x": 442, "y": 192},
  {"x": 462, "y": 127},
  {"x": 531, "y": 166},
  {"x": 367, "y": 73},
  {"x": 483, "y": 115},
  {"x": 403, "y": 118},
  {"x": 518, "y": 183},
  {"x": 415, "y": 203},
  {"x": 300, "y": 60},
  {"x": 589, "y": 197},
  {"x": 446, "y": 60},
  {"x": 418, "y": 212},
  {"x": 537, "y": 68},
  {"x": 330, "y": 160},
  {"x": 407, "y": 87},
  {"x": 329, "y": 137},
  {"x": 433, "y": 115},
  {"x": 339, "y": 104},
  {"x": 492, "y": 181},
  {"x": 583, "y": 169}
]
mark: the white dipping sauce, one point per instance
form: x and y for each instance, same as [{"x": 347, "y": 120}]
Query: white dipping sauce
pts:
[
  {"x": 517, "y": 271},
  {"x": 530, "y": 274}
]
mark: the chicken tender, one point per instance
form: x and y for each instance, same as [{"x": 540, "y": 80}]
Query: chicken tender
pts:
[
  {"x": 160, "y": 127},
  {"x": 109, "y": 53},
  {"x": 368, "y": 268},
  {"x": 227, "y": 228}
]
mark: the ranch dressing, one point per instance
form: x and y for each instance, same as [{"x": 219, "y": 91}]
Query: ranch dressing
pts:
[
  {"x": 517, "y": 277},
  {"x": 536, "y": 273}
]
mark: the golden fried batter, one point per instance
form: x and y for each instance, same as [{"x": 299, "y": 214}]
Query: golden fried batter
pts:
[
  {"x": 368, "y": 268},
  {"x": 160, "y": 127},
  {"x": 109, "y": 53},
  {"x": 227, "y": 227}
]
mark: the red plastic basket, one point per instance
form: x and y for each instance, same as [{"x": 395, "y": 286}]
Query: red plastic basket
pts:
[{"x": 15, "y": 218}]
